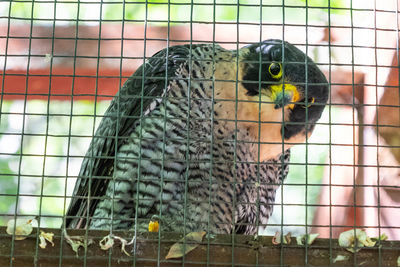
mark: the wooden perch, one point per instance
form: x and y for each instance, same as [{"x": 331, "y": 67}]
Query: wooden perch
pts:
[{"x": 221, "y": 250}]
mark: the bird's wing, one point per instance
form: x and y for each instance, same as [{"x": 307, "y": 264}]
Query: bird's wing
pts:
[{"x": 132, "y": 100}]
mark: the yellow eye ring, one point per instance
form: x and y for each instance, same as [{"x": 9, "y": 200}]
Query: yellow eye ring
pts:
[
  {"x": 309, "y": 103},
  {"x": 275, "y": 69}
]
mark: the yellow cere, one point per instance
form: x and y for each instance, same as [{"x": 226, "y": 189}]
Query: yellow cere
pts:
[
  {"x": 153, "y": 226},
  {"x": 289, "y": 88}
]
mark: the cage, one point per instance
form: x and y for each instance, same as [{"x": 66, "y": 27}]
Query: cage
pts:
[{"x": 63, "y": 62}]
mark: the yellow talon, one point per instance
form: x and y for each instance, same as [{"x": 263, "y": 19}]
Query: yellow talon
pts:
[{"x": 154, "y": 226}]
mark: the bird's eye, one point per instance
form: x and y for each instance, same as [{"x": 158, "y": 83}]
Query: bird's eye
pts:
[
  {"x": 310, "y": 102},
  {"x": 275, "y": 69}
]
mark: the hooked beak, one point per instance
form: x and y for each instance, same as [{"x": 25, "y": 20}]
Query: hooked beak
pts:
[{"x": 283, "y": 94}]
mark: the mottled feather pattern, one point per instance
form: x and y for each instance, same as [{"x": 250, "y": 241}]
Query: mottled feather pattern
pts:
[{"x": 177, "y": 158}]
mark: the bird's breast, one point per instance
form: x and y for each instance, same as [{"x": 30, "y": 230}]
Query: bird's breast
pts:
[{"x": 253, "y": 116}]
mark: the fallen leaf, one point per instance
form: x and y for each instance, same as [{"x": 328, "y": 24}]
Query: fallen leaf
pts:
[
  {"x": 123, "y": 244},
  {"x": 382, "y": 237},
  {"x": 185, "y": 245},
  {"x": 287, "y": 238},
  {"x": 276, "y": 239},
  {"x": 309, "y": 237},
  {"x": 77, "y": 241},
  {"x": 340, "y": 258},
  {"x": 398, "y": 261},
  {"x": 23, "y": 228},
  {"x": 353, "y": 240},
  {"x": 42, "y": 243},
  {"x": 106, "y": 243},
  {"x": 45, "y": 236}
]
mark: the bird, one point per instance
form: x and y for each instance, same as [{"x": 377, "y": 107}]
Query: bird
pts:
[{"x": 199, "y": 136}]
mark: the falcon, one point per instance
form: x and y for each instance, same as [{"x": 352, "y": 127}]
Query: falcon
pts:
[{"x": 199, "y": 137}]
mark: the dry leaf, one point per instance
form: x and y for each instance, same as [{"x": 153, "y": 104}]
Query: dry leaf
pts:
[
  {"x": 276, "y": 239},
  {"x": 340, "y": 258},
  {"x": 77, "y": 241},
  {"x": 42, "y": 243},
  {"x": 123, "y": 244},
  {"x": 382, "y": 237},
  {"x": 185, "y": 245},
  {"x": 23, "y": 228},
  {"x": 287, "y": 238},
  {"x": 309, "y": 237},
  {"x": 106, "y": 243},
  {"x": 355, "y": 238},
  {"x": 45, "y": 236}
]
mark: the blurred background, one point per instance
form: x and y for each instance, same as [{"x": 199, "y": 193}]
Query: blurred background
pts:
[{"x": 62, "y": 62}]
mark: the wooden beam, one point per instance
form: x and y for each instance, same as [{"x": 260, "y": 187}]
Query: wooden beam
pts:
[
  {"x": 62, "y": 84},
  {"x": 221, "y": 250},
  {"x": 71, "y": 55}
]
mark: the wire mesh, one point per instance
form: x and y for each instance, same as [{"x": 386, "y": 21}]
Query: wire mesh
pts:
[{"x": 64, "y": 61}]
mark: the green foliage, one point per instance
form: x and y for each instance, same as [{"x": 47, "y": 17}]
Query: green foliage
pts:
[
  {"x": 162, "y": 11},
  {"x": 173, "y": 12},
  {"x": 332, "y": 6},
  {"x": 21, "y": 9},
  {"x": 40, "y": 165},
  {"x": 8, "y": 190}
]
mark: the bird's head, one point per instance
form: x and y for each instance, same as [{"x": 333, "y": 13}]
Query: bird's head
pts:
[{"x": 280, "y": 74}]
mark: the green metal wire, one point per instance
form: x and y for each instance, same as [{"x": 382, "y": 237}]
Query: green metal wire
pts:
[
  {"x": 164, "y": 132},
  {"x": 69, "y": 131},
  {"x": 330, "y": 133},
  {"x": 212, "y": 139},
  {"x": 259, "y": 129},
  {"x": 354, "y": 152},
  {"x": 235, "y": 180},
  {"x": 86, "y": 235},
  {"x": 22, "y": 136},
  {"x": 354, "y": 128},
  {"x": 5, "y": 61},
  {"x": 306, "y": 142},
  {"x": 140, "y": 133},
  {"x": 377, "y": 136},
  {"x": 307, "y": 184},
  {"x": 46, "y": 138},
  {"x": 185, "y": 203},
  {"x": 282, "y": 134}
]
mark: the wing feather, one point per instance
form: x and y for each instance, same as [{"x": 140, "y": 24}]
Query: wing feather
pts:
[{"x": 118, "y": 122}]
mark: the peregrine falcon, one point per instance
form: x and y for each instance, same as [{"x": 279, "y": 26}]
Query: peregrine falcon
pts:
[{"x": 199, "y": 136}]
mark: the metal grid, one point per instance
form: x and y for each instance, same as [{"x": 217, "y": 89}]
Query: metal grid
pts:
[{"x": 354, "y": 95}]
